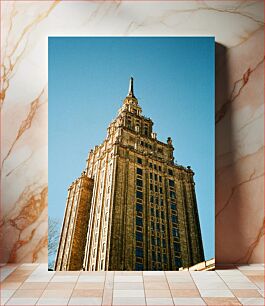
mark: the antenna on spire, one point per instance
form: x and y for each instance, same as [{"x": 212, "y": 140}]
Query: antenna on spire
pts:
[{"x": 130, "y": 92}]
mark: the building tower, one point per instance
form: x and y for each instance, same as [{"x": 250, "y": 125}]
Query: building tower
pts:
[{"x": 140, "y": 210}]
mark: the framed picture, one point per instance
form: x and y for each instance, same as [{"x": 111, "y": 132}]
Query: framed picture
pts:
[{"x": 131, "y": 153}]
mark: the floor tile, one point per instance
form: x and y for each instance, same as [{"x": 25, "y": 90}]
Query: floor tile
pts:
[
  {"x": 216, "y": 293},
  {"x": 6, "y": 293},
  {"x": 256, "y": 278},
  {"x": 173, "y": 286},
  {"x": 56, "y": 293},
  {"x": 179, "y": 279},
  {"x": 128, "y": 273},
  {"x": 128, "y": 301},
  {"x": 10, "y": 285},
  {"x": 155, "y": 278},
  {"x": 128, "y": 293},
  {"x": 218, "y": 301},
  {"x": 185, "y": 293},
  {"x": 159, "y": 301},
  {"x": 28, "y": 293},
  {"x": 85, "y": 301},
  {"x": 40, "y": 286},
  {"x": 53, "y": 301},
  {"x": 246, "y": 293},
  {"x": 235, "y": 278},
  {"x": 95, "y": 279},
  {"x": 61, "y": 286},
  {"x": 156, "y": 285},
  {"x": 253, "y": 272},
  {"x": 129, "y": 286},
  {"x": 89, "y": 286},
  {"x": 64, "y": 279},
  {"x": 251, "y": 301},
  {"x": 232, "y": 272},
  {"x": 211, "y": 285},
  {"x": 22, "y": 301},
  {"x": 69, "y": 273},
  {"x": 149, "y": 293},
  {"x": 250, "y": 267},
  {"x": 107, "y": 297},
  {"x": 153, "y": 273},
  {"x": 188, "y": 301},
  {"x": 87, "y": 293},
  {"x": 128, "y": 279},
  {"x": 241, "y": 285}
]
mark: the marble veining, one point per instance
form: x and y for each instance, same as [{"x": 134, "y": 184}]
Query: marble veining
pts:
[{"x": 238, "y": 27}]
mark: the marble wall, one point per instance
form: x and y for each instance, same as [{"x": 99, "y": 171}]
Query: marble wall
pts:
[{"x": 238, "y": 27}]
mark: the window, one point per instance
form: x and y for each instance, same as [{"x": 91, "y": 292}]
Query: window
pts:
[
  {"x": 171, "y": 183},
  {"x": 156, "y": 200},
  {"x": 162, "y": 215},
  {"x": 102, "y": 264},
  {"x": 158, "y": 257},
  {"x": 153, "y": 240},
  {"x": 178, "y": 262},
  {"x": 139, "y": 252},
  {"x": 158, "y": 241},
  {"x": 160, "y": 190},
  {"x": 151, "y": 176},
  {"x": 139, "y": 160},
  {"x": 156, "y": 188},
  {"x": 155, "y": 167},
  {"x": 139, "y": 194},
  {"x": 174, "y": 218},
  {"x": 139, "y": 207},
  {"x": 172, "y": 194},
  {"x": 159, "y": 168},
  {"x": 153, "y": 256},
  {"x": 160, "y": 178},
  {"x": 158, "y": 226},
  {"x": 175, "y": 232},
  {"x": 157, "y": 213},
  {"x": 164, "y": 258},
  {"x": 139, "y": 182},
  {"x": 173, "y": 206},
  {"x": 139, "y": 171},
  {"x": 161, "y": 202},
  {"x": 151, "y": 186},
  {"x": 139, "y": 267},
  {"x": 151, "y": 199},
  {"x": 164, "y": 243},
  {"x": 152, "y": 211},
  {"x": 139, "y": 221},
  {"x": 170, "y": 172},
  {"x": 150, "y": 165},
  {"x": 152, "y": 225},
  {"x": 155, "y": 177},
  {"x": 139, "y": 236}
]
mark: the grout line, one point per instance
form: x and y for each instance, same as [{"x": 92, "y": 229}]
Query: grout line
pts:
[{"x": 169, "y": 289}]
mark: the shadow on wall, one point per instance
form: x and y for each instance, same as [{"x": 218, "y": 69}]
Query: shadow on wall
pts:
[{"x": 230, "y": 224}]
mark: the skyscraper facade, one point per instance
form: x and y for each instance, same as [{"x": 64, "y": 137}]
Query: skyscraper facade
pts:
[{"x": 133, "y": 207}]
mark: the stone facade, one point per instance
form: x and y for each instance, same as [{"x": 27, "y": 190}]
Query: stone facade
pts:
[{"x": 138, "y": 208}]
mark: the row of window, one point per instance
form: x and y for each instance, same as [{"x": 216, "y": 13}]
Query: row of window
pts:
[{"x": 154, "y": 166}]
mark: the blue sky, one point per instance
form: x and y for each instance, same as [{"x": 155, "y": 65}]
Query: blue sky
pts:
[{"x": 174, "y": 84}]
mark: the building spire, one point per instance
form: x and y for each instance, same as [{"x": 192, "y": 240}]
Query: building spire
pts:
[{"x": 130, "y": 92}]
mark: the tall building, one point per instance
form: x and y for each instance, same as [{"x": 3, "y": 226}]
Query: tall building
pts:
[{"x": 133, "y": 208}]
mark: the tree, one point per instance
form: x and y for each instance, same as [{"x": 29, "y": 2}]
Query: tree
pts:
[{"x": 53, "y": 240}]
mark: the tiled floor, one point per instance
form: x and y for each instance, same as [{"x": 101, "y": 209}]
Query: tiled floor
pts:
[{"x": 32, "y": 284}]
